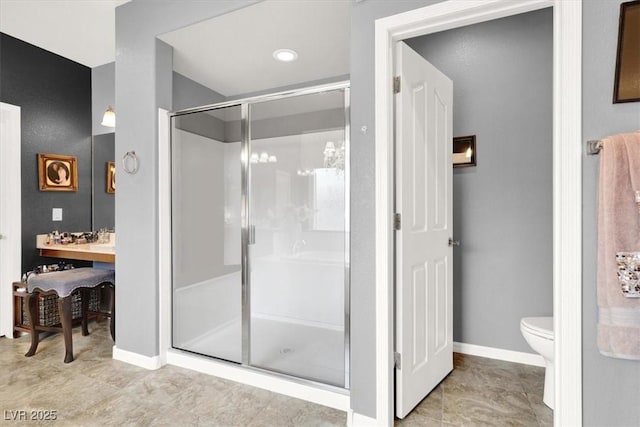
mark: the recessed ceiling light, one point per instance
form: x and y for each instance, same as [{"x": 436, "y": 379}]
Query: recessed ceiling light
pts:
[{"x": 285, "y": 55}]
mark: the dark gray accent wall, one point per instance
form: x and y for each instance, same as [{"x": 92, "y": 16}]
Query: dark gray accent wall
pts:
[
  {"x": 605, "y": 380},
  {"x": 502, "y": 74},
  {"x": 54, "y": 94},
  {"x": 104, "y": 204}
]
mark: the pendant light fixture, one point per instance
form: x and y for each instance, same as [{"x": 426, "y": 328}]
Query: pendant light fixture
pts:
[{"x": 109, "y": 118}]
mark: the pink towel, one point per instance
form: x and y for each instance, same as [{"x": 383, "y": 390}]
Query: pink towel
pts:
[{"x": 618, "y": 231}]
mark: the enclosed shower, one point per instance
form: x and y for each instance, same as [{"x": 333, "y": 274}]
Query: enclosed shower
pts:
[{"x": 260, "y": 232}]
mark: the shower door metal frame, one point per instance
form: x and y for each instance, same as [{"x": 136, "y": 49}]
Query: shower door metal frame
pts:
[
  {"x": 245, "y": 203},
  {"x": 246, "y": 231}
]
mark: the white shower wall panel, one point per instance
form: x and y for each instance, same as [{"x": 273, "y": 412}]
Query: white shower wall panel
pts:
[
  {"x": 206, "y": 230},
  {"x": 305, "y": 288},
  {"x": 205, "y": 308}
]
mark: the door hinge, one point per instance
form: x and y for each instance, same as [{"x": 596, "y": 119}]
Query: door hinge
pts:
[
  {"x": 396, "y": 84},
  {"x": 397, "y": 221},
  {"x": 397, "y": 360}
]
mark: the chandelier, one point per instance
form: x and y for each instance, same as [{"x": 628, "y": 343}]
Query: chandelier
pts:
[
  {"x": 263, "y": 157},
  {"x": 334, "y": 157}
]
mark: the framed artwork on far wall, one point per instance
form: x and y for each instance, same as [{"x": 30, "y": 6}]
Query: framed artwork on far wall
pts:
[
  {"x": 111, "y": 177},
  {"x": 57, "y": 172},
  {"x": 627, "y": 80},
  {"x": 464, "y": 151}
]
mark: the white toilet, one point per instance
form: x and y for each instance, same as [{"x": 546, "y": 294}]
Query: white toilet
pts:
[{"x": 538, "y": 332}]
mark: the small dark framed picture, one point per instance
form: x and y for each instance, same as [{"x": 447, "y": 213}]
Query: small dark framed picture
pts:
[
  {"x": 464, "y": 151},
  {"x": 111, "y": 177},
  {"x": 57, "y": 172},
  {"x": 627, "y": 79}
]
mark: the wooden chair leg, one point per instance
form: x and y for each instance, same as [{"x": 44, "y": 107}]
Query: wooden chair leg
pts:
[
  {"x": 64, "y": 308},
  {"x": 85, "y": 294},
  {"x": 112, "y": 307},
  {"x": 32, "y": 308}
]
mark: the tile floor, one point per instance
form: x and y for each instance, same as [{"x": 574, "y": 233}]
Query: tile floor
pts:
[{"x": 97, "y": 390}]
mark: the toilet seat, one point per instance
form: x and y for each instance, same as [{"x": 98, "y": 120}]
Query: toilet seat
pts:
[{"x": 539, "y": 326}]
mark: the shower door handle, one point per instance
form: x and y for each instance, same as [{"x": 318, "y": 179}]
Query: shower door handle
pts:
[{"x": 252, "y": 234}]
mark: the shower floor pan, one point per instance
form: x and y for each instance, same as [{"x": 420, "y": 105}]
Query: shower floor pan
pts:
[{"x": 295, "y": 349}]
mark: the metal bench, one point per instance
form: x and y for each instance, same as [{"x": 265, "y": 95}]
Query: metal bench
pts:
[{"x": 63, "y": 284}]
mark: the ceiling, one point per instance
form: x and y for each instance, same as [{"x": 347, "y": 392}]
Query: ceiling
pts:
[
  {"x": 80, "y": 30},
  {"x": 232, "y": 53}
]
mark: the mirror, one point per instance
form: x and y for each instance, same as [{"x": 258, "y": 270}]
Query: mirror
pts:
[{"x": 102, "y": 201}]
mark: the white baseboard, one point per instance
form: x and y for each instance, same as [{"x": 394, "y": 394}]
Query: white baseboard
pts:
[
  {"x": 206, "y": 365},
  {"x": 358, "y": 420},
  {"x": 499, "y": 354},
  {"x": 136, "y": 359}
]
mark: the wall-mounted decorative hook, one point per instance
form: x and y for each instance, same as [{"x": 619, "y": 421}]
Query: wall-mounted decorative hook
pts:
[
  {"x": 130, "y": 162},
  {"x": 594, "y": 147}
]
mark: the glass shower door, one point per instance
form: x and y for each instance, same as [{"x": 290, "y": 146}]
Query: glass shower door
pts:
[
  {"x": 297, "y": 246},
  {"x": 206, "y": 230}
]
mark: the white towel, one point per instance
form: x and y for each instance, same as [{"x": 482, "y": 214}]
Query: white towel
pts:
[{"x": 618, "y": 231}]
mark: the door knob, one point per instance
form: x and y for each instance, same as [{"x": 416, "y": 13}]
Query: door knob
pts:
[{"x": 454, "y": 242}]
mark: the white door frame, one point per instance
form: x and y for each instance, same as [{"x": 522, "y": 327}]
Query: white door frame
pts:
[
  {"x": 10, "y": 215},
  {"x": 567, "y": 183}
]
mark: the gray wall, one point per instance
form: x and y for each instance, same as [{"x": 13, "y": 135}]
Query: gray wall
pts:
[
  {"x": 188, "y": 93},
  {"x": 144, "y": 84},
  {"x": 103, "y": 95},
  {"x": 363, "y": 331},
  {"x": 610, "y": 386},
  {"x": 502, "y": 74},
  {"x": 138, "y": 22}
]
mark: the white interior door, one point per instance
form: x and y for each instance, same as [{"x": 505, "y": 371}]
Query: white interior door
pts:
[
  {"x": 10, "y": 212},
  {"x": 424, "y": 201}
]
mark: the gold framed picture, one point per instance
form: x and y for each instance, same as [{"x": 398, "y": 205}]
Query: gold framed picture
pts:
[
  {"x": 57, "y": 172},
  {"x": 111, "y": 177}
]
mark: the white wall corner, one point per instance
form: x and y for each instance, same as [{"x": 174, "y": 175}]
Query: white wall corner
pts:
[
  {"x": 164, "y": 233},
  {"x": 146, "y": 362},
  {"x": 567, "y": 194}
]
